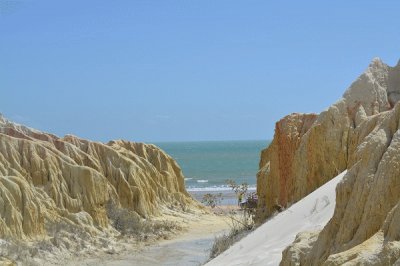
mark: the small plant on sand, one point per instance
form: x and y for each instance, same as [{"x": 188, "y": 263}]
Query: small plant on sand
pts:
[
  {"x": 241, "y": 222},
  {"x": 212, "y": 200},
  {"x": 125, "y": 221},
  {"x": 240, "y": 226},
  {"x": 247, "y": 201},
  {"x": 238, "y": 189}
]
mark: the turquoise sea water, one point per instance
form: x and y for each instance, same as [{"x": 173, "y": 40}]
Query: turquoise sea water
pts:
[{"x": 207, "y": 164}]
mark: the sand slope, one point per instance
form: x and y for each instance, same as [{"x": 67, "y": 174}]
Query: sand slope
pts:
[{"x": 264, "y": 246}]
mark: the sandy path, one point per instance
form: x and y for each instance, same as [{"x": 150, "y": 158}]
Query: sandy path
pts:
[{"x": 188, "y": 248}]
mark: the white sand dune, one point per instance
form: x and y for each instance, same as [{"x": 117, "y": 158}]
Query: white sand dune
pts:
[{"x": 264, "y": 246}]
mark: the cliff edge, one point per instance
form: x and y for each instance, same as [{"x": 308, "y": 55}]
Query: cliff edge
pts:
[
  {"x": 359, "y": 133},
  {"x": 308, "y": 149},
  {"x": 47, "y": 182}
]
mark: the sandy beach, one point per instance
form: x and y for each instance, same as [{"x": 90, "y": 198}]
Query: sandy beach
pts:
[
  {"x": 189, "y": 247},
  {"x": 228, "y": 197}
]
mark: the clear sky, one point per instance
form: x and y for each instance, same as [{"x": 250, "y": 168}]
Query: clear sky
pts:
[{"x": 184, "y": 70}]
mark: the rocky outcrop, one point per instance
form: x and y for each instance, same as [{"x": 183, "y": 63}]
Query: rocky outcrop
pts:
[
  {"x": 364, "y": 137},
  {"x": 364, "y": 229},
  {"x": 46, "y": 180},
  {"x": 326, "y": 146},
  {"x": 276, "y": 162}
]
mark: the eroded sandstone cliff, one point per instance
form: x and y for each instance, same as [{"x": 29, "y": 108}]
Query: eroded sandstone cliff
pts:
[
  {"x": 359, "y": 133},
  {"x": 275, "y": 175},
  {"x": 46, "y": 180},
  {"x": 303, "y": 156},
  {"x": 364, "y": 229}
]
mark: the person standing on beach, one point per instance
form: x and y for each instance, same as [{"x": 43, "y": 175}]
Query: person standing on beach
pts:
[{"x": 240, "y": 197}]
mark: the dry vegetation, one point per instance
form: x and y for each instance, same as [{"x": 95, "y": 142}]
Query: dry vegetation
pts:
[
  {"x": 130, "y": 224},
  {"x": 241, "y": 224},
  {"x": 63, "y": 238}
]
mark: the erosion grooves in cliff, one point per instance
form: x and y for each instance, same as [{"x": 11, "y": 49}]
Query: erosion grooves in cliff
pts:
[
  {"x": 46, "y": 180},
  {"x": 360, "y": 133}
]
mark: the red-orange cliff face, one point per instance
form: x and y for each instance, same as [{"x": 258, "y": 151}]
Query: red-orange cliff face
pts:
[
  {"x": 289, "y": 131},
  {"x": 276, "y": 161}
]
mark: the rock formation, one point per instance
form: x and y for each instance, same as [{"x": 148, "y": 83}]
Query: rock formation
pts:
[
  {"x": 305, "y": 155},
  {"x": 46, "y": 180},
  {"x": 275, "y": 175},
  {"x": 365, "y": 226},
  {"x": 359, "y": 133}
]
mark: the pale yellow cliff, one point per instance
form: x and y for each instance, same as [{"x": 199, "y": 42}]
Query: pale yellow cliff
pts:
[
  {"x": 46, "y": 180},
  {"x": 325, "y": 145},
  {"x": 359, "y": 133},
  {"x": 365, "y": 228}
]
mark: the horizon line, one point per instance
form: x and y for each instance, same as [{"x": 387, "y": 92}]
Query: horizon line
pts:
[{"x": 214, "y": 140}]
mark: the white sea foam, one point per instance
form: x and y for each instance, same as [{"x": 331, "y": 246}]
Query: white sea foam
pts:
[
  {"x": 202, "y": 181},
  {"x": 215, "y": 188}
]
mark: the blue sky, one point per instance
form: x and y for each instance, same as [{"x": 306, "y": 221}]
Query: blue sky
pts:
[{"x": 184, "y": 70}]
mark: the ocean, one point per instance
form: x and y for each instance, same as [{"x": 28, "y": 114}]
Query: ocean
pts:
[{"x": 207, "y": 164}]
